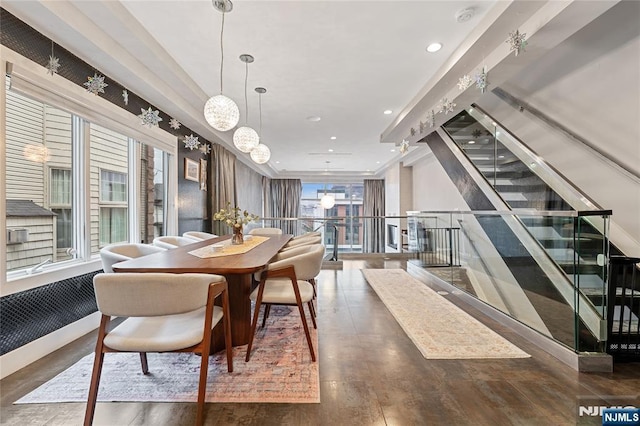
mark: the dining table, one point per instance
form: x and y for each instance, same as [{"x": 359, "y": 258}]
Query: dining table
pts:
[{"x": 238, "y": 269}]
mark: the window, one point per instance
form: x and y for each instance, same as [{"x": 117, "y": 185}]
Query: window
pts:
[
  {"x": 347, "y": 207},
  {"x": 113, "y": 187},
  {"x": 109, "y": 170},
  {"x": 43, "y": 197},
  {"x": 38, "y": 182},
  {"x": 60, "y": 193}
]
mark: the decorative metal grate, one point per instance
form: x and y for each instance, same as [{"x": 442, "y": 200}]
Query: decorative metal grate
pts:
[{"x": 31, "y": 314}]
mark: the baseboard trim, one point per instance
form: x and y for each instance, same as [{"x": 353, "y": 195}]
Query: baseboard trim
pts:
[{"x": 583, "y": 362}]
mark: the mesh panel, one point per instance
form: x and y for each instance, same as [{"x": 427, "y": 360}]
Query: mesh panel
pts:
[{"x": 31, "y": 314}]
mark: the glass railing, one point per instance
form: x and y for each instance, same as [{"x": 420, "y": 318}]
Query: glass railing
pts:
[
  {"x": 552, "y": 279},
  {"x": 492, "y": 257}
]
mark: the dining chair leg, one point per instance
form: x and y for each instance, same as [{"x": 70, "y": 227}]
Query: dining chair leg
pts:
[
  {"x": 267, "y": 310},
  {"x": 202, "y": 385},
  {"x": 313, "y": 314},
  {"x": 226, "y": 322},
  {"x": 97, "y": 371},
  {"x": 313, "y": 284},
  {"x": 254, "y": 323},
  {"x": 145, "y": 364},
  {"x": 306, "y": 330}
]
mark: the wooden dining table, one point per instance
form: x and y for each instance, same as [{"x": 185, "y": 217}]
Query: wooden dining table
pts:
[{"x": 238, "y": 269}]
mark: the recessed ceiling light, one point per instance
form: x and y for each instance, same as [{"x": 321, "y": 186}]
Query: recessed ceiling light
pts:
[
  {"x": 277, "y": 162},
  {"x": 387, "y": 112},
  {"x": 313, "y": 118},
  {"x": 333, "y": 138},
  {"x": 377, "y": 162},
  {"x": 434, "y": 47},
  {"x": 393, "y": 150},
  {"x": 330, "y": 150},
  {"x": 472, "y": 142}
]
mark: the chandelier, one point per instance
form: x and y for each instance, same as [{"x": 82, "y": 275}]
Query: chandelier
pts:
[
  {"x": 220, "y": 111},
  {"x": 245, "y": 138},
  {"x": 261, "y": 153}
]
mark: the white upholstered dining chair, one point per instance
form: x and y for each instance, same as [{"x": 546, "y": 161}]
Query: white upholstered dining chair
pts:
[
  {"x": 170, "y": 242},
  {"x": 285, "y": 282},
  {"x": 265, "y": 232},
  {"x": 199, "y": 235},
  {"x": 164, "y": 313},
  {"x": 307, "y": 234},
  {"x": 115, "y": 253},
  {"x": 302, "y": 242}
]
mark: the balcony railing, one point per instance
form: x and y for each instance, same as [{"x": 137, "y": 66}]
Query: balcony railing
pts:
[{"x": 547, "y": 269}]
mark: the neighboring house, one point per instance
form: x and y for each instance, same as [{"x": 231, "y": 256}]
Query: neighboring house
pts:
[{"x": 40, "y": 226}]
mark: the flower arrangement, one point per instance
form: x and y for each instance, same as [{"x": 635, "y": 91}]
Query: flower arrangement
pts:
[{"x": 235, "y": 217}]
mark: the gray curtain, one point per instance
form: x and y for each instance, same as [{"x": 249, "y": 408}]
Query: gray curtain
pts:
[
  {"x": 223, "y": 188},
  {"x": 266, "y": 197},
  {"x": 285, "y": 202},
  {"x": 373, "y": 200}
]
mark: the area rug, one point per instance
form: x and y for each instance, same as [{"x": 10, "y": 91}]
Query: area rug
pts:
[
  {"x": 438, "y": 328},
  {"x": 280, "y": 370}
]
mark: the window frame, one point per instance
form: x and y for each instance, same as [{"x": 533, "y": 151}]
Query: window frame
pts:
[{"x": 31, "y": 81}]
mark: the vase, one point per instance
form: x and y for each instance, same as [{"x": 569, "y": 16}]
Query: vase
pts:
[{"x": 237, "y": 237}]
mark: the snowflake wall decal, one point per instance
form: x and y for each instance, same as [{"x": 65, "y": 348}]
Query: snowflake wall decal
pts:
[
  {"x": 481, "y": 80},
  {"x": 174, "y": 124},
  {"x": 205, "y": 148},
  {"x": 125, "y": 96},
  {"x": 191, "y": 142},
  {"x": 422, "y": 127},
  {"x": 446, "y": 106},
  {"x": 431, "y": 119},
  {"x": 53, "y": 65},
  {"x": 476, "y": 133},
  {"x": 412, "y": 131},
  {"x": 404, "y": 146},
  {"x": 517, "y": 41},
  {"x": 465, "y": 82},
  {"x": 95, "y": 84},
  {"x": 149, "y": 117}
]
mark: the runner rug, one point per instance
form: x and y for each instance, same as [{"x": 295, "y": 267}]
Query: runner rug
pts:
[
  {"x": 438, "y": 328},
  {"x": 280, "y": 370}
]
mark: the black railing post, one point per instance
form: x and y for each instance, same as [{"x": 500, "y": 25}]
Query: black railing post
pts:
[{"x": 334, "y": 257}]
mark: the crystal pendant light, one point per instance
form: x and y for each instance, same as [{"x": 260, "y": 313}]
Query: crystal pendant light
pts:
[
  {"x": 245, "y": 138},
  {"x": 261, "y": 154},
  {"x": 220, "y": 111}
]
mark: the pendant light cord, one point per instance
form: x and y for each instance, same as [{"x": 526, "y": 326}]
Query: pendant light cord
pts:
[
  {"x": 246, "y": 103},
  {"x": 260, "y": 103},
  {"x": 221, "y": 50}
]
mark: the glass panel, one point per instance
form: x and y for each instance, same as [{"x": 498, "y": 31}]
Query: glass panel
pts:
[
  {"x": 113, "y": 225},
  {"x": 550, "y": 275},
  {"x": 38, "y": 182},
  {"x": 151, "y": 193},
  {"x": 109, "y": 176},
  {"x": 344, "y": 230}
]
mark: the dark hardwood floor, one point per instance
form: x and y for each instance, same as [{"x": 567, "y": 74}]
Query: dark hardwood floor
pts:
[{"x": 371, "y": 374}]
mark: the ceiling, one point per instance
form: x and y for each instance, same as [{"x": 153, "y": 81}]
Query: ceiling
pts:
[{"x": 343, "y": 61}]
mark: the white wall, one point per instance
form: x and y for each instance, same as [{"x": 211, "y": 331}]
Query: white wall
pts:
[
  {"x": 432, "y": 188},
  {"x": 589, "y": 84}
]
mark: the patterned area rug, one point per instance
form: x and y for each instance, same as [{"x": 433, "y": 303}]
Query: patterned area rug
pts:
[
  {"x": 438, "y": 328},
  {"x": 280, "y": 370}
]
